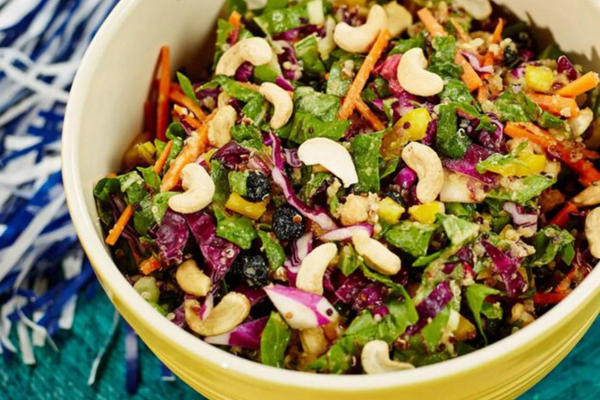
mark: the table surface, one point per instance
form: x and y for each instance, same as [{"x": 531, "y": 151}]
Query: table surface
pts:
[{"x": 64, "y": 374}]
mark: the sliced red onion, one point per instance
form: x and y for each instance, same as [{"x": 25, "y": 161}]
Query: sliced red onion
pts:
[
  {"x": 246, "y": 336},
  {"x": 317, "y": 215},
  {"x": 284, "y": 84},
  {"x": 431, "y": 306},
  {"x": 291, "y": 158},
  {"x": 301, "y": 310},
  {"x": 565, "y": 66},
  {"x": 519, "y": 214},
  {"x": 301, "y": 247},
  {"x": 406, "y": 178},
  {"x": 346, "y": 232},
  {"x": 474, "y": 61},
  {"x": 207, "y": 306},
  {"x": 507, "y": 268}
]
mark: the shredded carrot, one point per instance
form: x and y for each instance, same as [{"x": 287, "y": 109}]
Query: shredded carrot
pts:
[
  {"x": 469, "y": 76},
  {"x": 461, "y": 32},
  {"x": 563, "y": 215},
  {"x": 194, "y": 146},
  {"x": 580, "y": 85},
  {"x": 175, "y": 87},
  {"x": 587, "y": 173},
  {"x": 431, "y": 24},
  {"x": 160, "y": 163},
  {"x": 235, "y": 19},
  {"x": 194, "y": 123},
  {"x": 162, "y": 114},
  {"x": 555, "y": 104},
  {"x": 120, "y": 225},
  {"x": 495, "y": 39},
  {"x": 111, "y": 175},
  {"x": 360, "y": 80},
  {"x": 548, "y": 298},
  {"x": 123, "y": 220},
  {"x": 150, "y": 265},
  {"x": 367, "y": 114},
  {"x": 183, "y": 100}
]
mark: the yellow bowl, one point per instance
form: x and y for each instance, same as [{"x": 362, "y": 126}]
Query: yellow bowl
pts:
[{"x": 104, "y": 113}]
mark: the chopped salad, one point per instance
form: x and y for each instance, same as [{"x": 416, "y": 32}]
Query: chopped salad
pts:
[{"x": 361, "y": 187}]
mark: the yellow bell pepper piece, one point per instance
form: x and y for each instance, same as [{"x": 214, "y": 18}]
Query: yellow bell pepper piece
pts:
[
  {"x": 390, "y": 211},
  {"x": 237, "y": 203},
  {"x": 539, "y": 79},
  {"x": 414, "y": 124},
  {"x": 426, "y": 213},
  {"x": 208, "y": 155},
  {"x": 465, "y": 331},
  {"x": 523, "y": 165}
]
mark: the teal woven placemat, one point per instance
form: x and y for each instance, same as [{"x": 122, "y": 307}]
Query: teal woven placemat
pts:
[{"x": 64, "y": 375}]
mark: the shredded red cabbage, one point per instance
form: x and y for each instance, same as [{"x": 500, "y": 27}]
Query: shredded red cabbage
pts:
[
  {"x": 246, "y": 336},
  {"x": 317, "y": 215},
  {"x": 218, "y": 252},
  {"x": 565, "y": 66},
  {"x": 171, "y": 237},
  {"x": 244, "y": 72},
  {"x": 507, "y": 268},
  {"x": 431, "y": 306},
  {"x": 467, "y": 165},
  {"x": 231, "y": 155},
  {"x": 406, "y": 178},
  {"x": 520, "y": 215},
  {"x": 346, "y": 232},
  {"x": 474, "y": 61}
]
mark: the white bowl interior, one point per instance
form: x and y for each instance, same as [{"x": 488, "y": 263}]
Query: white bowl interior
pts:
[{"x": 105, "y": 113}]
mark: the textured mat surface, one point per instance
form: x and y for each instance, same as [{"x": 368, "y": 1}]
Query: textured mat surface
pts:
[{"x": 63, "y": 375}]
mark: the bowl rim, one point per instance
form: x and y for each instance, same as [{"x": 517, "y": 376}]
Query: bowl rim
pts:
[{"x": 118, "y": 287}]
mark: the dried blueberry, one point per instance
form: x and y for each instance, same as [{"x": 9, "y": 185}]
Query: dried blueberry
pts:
[
  {"x": 510, "y": 58},
  {"x": 394, "y": 196},
  {"x": 288, "y": 223},
  {"x": 257, "y": 187},
  {"x": 254, "y": 271}
]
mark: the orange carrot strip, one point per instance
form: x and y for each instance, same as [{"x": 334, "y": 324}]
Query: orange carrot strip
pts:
[
  {"x": 496, "y": 39},
  {"x": 162, "y": 114},
  {"x": 111, "y": 175},
  {"x": 587, "y": 173},
  {"x": 431, "y": 24},
  {"x": 235, "y": 19},
  {"x": 150, "y": 265},
  {"x": 175, "y": 87},
  {"x": 120, "y": 225},
  {"x": 469, "y": 76},
  {"x": 369, "y": 115},
  {"x": 548, "y": 298},
  {"x": 194, "y": 146},
  {"x": 194, "y": 123},
  {"x": 580, "y": 85},
  {"x": 184, "y": 101},
  {"x": 555, "y": 104},
  {"x": 363, "y": 74},
  {"x": 123, "y": 220},
  {"x": 461, "y": 32},
  {"x": 563, "y": 215},
  {"x": 160, "y": 163}
]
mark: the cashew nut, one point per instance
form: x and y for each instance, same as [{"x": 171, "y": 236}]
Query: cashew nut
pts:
[
  {"x": 219, "y": 128},
  {"x": 413, "y": 76},
  {"x": 359, "y": 39},
  {"x": 255, "y": 50},
  {"x": 283, "y": 106},
  {"x": 428, "y": 166},
  {"x": 458, "y": 188},
  {"x": 223, "y": 99},
  {"x": 312, "y": 269},
  {"x": 375, "y": 359},
  {"x": 398, "y": 17},
  {"x": 313, "y": 341},
  {"x": 592, "y": 231},
  {"x": 332, "y": 156},
  {"x": 582, "y": 122},
  {"x": 590, "y": 196},
  {"x": 233, "y": 309},
  {"x": 478, "y": 9},
  {"x": 199, "y": 190},
  {"x": 192, "y": 280},
  {"x": 375, "y": 254}
]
